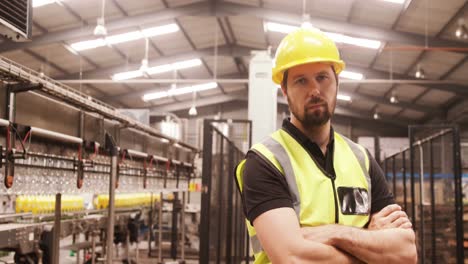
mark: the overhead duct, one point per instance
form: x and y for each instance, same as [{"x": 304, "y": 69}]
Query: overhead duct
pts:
[{"x": 16, "y": 19}]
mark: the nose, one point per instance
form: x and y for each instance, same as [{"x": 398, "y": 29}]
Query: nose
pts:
[{"x": 314, "y": 88}]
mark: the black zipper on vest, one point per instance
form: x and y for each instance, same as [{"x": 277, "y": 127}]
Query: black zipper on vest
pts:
[{"x": 337, "y": 215}]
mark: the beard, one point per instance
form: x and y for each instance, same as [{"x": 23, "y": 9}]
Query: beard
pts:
[{"x": 312, "y": 117}]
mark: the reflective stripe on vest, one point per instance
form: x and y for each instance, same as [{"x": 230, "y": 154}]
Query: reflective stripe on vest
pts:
[{"x": 275, "y": 153}]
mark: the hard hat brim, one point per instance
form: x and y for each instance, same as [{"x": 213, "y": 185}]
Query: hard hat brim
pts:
[{"x": 277, "y": 76}]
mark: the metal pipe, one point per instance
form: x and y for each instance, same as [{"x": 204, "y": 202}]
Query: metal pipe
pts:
[
  {"x": 160, "y": 158},
  {"x": 160, "y": 227},
  {"x": 55, "y": 135},
  {"x": 93, "y": 247},
  {"x": 110, "y": 222},
  {"x": 136, "y": 153},
  {"x": 405, "y": 202},
  {"x": 427, "y": 139},
  {"x": 458, "y": 194},
  {"x": 433, "y": 214},
  {"x": 4, "y": 122},
  {"x": 394, "y": 178},
  {"x": 411, "y": 149},
  {"x": 182, "y": 227},
  {"x": 421, "y": 204},
  {"x": 242, "y": 81},
  {"x": 220, "y": 198},
  {"x": 57, "y": 227}
]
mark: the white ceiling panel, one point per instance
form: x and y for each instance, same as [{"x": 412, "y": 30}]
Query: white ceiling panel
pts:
[
  {"x": 30, "y": 62},
  {"x": 433, "y": 13},
  {"x": 437, "y": 63},
  {"x": 248, "y": 30},
  {"x": 57, "y": 54},
  {"x": 103, "y": 56},
  {"x": 435, "y": 97},
  {"x": 398, "y": 61},
  {"x": 199, "y": 72},
  {"x": 334, "y": 9},
  {"x": 411, "y": 114},
  {"x": 91, "y": 10},
  {"x": 287, "y": 6},
  {"x": 54, "y": 16},
  {"x": 172, "y": 43},
  {"x": 140, "y": 6},
  {"x": 234, "y": 87},
  {"x": 348, "y": 88},
  {"x": 112, "y": 89},
  {"x": 175, "y": 3},
  {"x": 226, "y": 65},
  {"x": 461, "y": 74},
  {"x": 377, "y": 13},
  {"x": 356, "y": 55},
  {"x": 211, "y": 92},
  {"x": 245, "y": 2},
  {"x": 407, "y": 93},
  {"x": 388, "y": 109},
  {"x": 135, "y": 50},
  {"x": 449, "y": 33},
  {"x": 362, "y": 105},
  {"x": 374, "y": 89},
  {"x": 202, "y": 31}
]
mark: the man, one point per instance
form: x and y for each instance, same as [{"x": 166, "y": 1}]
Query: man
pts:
[{"x": 309, "y": 193}]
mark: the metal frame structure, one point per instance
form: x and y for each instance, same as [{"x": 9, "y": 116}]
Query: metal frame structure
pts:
[
  {"x": 225, "y": 225},
  {"x": 419, "y": 217},
  {"x": 21, "y": 79}
]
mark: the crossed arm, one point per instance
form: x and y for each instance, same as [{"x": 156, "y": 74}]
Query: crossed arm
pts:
[{"x": 388, "y": 239}]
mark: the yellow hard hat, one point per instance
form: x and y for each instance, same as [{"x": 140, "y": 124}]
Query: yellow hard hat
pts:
[{"x": 305, "y": 46}]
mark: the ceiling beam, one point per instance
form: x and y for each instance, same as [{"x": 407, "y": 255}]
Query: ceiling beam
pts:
[
  {"x": 211, "y": 100},
  {"x": 225, "y": 50},
  {"x": 343, "y": 27},
  {"x": 111, "y": 25},
  {"x": 142, "y": 91},
  {"x": 460, "y": 89}
]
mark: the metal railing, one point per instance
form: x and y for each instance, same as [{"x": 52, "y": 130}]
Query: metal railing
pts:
[
  {"x": 425, "y": 179},
  {"x": 223, "y": 236}
]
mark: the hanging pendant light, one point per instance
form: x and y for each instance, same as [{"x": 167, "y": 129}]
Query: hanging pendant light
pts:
[{"x": 100, "y": 29}]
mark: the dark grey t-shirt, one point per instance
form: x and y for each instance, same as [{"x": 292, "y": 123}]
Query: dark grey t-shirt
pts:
[{"x": 266, "y": 189}]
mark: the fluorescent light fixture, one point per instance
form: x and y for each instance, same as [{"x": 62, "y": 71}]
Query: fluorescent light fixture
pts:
[
  {"x": 127, "y": 75},
  {"x": 343, "y": 97},
  {"x": 38, "y": 3},
  {"x": 352, "y": 75},
  {"x": 124, "y": 37},
  {"x": 361, "y": 42},
  {"x": 338, "y": 38},
  {"x": 395, "y": 1},
  {"x": 157, "y": 69},
  {"x": 281, "y": 28},
  {"x": 180, "y": 91}
]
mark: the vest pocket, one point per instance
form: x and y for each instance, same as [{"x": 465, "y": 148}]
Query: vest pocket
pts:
[{"x": 353, "y": 201}]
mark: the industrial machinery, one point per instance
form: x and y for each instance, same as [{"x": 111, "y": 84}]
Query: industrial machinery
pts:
[{"x": 111, "y": 181}]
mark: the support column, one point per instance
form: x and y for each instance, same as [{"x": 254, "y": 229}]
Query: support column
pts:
[{"x": 262, "y": 96}]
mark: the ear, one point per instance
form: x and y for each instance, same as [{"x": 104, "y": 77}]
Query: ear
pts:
[{"x": 284, "y": 91}]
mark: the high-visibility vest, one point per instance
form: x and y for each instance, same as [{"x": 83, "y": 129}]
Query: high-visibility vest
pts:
[{"x": 318, "y": 197}]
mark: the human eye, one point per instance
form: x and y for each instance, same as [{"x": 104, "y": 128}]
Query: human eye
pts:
[
  {"x": 322, "y": 77},
  {"x": 300, "y": 81}
]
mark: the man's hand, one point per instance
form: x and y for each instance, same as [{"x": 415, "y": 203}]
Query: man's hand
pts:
[{"x": 389, "y": 217}]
